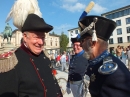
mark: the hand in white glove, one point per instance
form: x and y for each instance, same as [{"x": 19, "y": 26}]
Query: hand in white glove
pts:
[{"x": 68, "y": 90}]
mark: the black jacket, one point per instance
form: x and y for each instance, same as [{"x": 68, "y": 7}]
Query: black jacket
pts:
[
  {"x": 31, "y": 77},
  {"x": 116, "y": 84}
]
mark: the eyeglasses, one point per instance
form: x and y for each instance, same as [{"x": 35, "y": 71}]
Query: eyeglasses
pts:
[{"x": 77, "y": 45}]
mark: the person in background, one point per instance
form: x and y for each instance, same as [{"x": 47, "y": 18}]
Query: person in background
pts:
[
  {"x": 109, "y": 77},
  {"x": 128, "y": 53},
  {"x": 53, "y": 63},
  {"x": 124, "y": 55},
  {"x": 58, "y": 60},
  {"x": 113, "y": 51},
  {"x": 77, "y": 67},
  {"x": 118, "y": 51},
  {"x": 63, "y": 62}
]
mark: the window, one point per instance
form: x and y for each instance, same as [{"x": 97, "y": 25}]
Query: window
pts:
[
  {"x": 56, "y": 43},
  {"x": 128, "y": 29},
  {"x": 120, "y": 40},
  {"x": 71, "y": 33},
  {"x": 111, "y": 41},
  {"x": 119, "y": 31},
  {"x": 117, "y": 14},
  {"x": 126, "y": 12},
  {"x": 76, "y": 31},
  {"x": 51, "y": 43},
  {"x": 120, "y": 14},
  {"x": 118, "y": 22},
  {"x": 110, "y": 16},
  {"x": 44, "y": 43},
  {"x": 127, "y": 20},
  {"x": 128, "y": 38}
]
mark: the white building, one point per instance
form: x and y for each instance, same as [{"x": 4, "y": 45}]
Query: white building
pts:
[
  {"x": 71, "y": 32},
  {"x": 121, "y": 35}
]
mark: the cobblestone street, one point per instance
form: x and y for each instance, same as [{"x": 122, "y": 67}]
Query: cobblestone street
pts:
[{"x": 65, "y": 75}]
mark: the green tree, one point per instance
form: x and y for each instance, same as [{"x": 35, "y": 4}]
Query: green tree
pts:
[
  {"x": 64, "y": 40},
  {"x": 53, "y": 33}
]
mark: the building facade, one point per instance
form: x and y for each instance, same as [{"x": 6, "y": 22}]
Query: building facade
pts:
[{"x": 121, "y": 35}]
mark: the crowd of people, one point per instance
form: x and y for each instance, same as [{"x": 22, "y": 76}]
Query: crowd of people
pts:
[
  {"x": 61, "y": 60},
  {"x": 123, "y": 53}
]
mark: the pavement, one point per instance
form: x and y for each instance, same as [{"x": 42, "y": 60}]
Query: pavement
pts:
[{"x": 63, "y": 74}]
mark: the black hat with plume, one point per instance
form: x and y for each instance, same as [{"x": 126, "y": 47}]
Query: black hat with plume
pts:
[
  {"x": 75, "y": 38},
  {"x": 96, "y": 26},
  {"x": 34, "y": 23}
]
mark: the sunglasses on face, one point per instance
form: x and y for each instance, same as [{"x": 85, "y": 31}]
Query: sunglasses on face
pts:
[{"x": 77, "y": 45}]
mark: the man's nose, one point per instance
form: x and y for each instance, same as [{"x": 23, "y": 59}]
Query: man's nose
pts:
[{"x": 41, "y": 41}]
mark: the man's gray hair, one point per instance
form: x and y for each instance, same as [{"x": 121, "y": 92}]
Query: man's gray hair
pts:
[{"x": 104, "y": 44}]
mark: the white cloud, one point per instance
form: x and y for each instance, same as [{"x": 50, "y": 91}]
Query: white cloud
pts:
[
  {"x": 73, "y": 8},
  {"x": 99, "y": 9}
]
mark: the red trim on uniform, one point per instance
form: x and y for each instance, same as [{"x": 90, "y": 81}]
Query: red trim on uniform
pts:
[
  {"x": 59, "y": 95},
  {"x": 23, "y": 47},
  {"x": 39, "y": 77}
]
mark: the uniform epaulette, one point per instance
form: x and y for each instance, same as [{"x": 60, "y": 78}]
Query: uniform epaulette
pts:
[
  {"x": 8, "y": 61},
  {"x": 108, "y": 66}
]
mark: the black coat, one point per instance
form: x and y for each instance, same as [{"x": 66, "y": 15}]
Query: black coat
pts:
[
  {"x": 31, "y": 77},
  {"x": 116, "y": 84}
]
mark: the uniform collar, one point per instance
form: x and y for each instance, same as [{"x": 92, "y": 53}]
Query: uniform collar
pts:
[
  {"x": 24, "y": 47},
  {"x": 80, "y": 53},
  {"x": 99, "y": 58}
]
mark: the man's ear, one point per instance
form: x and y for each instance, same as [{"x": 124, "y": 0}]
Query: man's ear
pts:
[
  {"x": 93, "y": 43},
  {"x": 24, "y": 37}
]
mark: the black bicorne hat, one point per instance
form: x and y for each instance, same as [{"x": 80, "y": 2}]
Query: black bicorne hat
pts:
[
  {"x": 34, "y": 23},
  {"x": 103, "y": 27},
  {"x": 75, "y": 38}
]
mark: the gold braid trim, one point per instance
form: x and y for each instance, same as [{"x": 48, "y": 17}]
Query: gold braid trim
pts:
[{"x": 8, "y": 63}]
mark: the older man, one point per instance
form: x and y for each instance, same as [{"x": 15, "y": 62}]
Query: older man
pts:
[
  {"x": 77, "y": 67},
  {"x": 30, "y": 74},
  {"x": 109, "y": 77}
]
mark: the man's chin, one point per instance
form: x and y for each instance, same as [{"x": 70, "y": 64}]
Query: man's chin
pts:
[{"x": 37, "y": 52}]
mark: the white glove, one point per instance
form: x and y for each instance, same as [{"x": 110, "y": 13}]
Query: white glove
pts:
[{"x": 68, "y": 90}]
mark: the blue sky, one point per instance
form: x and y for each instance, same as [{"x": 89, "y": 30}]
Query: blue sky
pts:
[{"x": 63, "y": 14}]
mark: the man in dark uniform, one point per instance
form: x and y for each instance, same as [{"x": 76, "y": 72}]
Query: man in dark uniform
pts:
[
  {"x": 77, "y": 67},
  {"x": 109, "y": 77},
  {"x": 27, "y": 72}
]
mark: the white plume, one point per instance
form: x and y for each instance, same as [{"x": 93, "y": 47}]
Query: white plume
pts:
[{"x": 20, "y": 11}]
